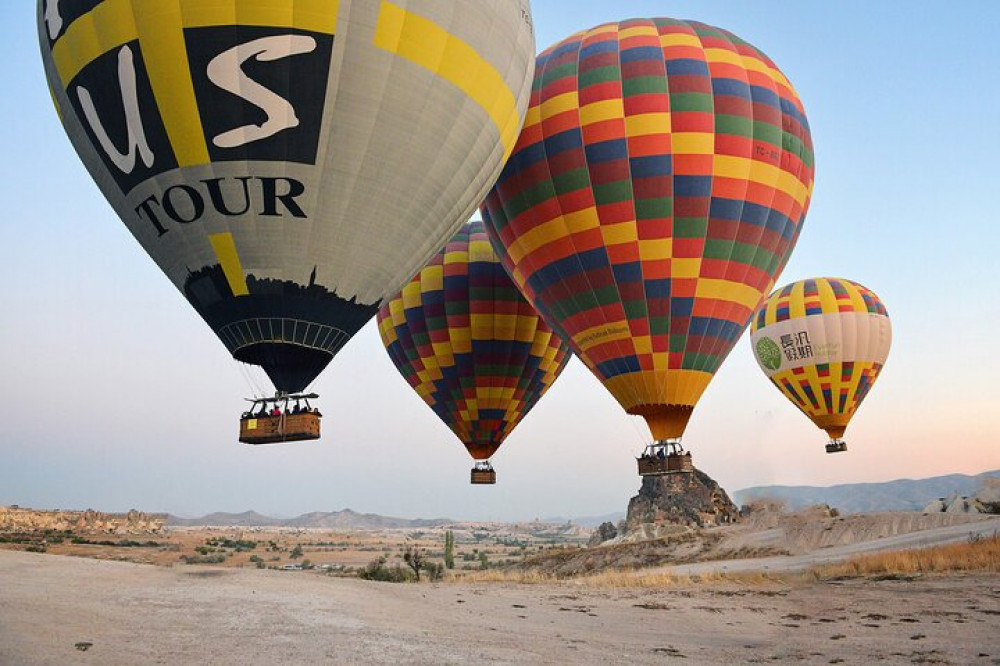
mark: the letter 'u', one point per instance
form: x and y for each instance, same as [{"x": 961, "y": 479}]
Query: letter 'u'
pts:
[{"x": 137, "y": 142}]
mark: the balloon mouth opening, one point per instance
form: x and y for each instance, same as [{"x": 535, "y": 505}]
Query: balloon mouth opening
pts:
[
  {"x": 290, "y": 367},
  {"x": 664, "y": 421},
  {"x": 482, "y": 452},
  {"x": 836, "y": 432}
]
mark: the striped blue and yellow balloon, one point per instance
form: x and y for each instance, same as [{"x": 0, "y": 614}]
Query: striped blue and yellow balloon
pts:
[{"x": 469, "y": 344}]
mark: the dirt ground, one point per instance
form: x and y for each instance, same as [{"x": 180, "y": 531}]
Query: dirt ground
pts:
[{"x": 51, "y": 607}]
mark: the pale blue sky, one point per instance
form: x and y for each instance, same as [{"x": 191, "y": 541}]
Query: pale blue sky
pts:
[{"x": 118, "y": 395}]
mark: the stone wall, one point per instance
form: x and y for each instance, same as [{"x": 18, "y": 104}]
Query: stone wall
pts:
[{"x": 17, "y": 519}]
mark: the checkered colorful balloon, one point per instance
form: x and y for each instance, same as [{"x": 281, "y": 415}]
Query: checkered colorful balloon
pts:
[
  {"x": 469, "y": 344},
  {"x": 655, "y": 194}
]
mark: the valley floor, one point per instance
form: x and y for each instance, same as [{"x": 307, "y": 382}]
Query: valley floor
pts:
[{"x": 140, "y": 614}]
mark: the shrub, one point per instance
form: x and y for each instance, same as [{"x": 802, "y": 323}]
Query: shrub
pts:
[
  {"x": 217, "y": 558},
  {"x": 376, "y": 570},
  {"x": 435, "y": 571},
  {"x": 239, "y": 545}
]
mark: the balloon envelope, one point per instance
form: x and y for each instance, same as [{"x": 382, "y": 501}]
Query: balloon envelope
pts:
[
  {"x": 469, "y": 344},
  {"x": 823, "y": 343},
  {"x": 655, "y": 194},
  {"x": 289, "y": 163}
]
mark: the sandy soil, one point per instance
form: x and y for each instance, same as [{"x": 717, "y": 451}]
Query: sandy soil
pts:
[{"x": 141, "y": 614}]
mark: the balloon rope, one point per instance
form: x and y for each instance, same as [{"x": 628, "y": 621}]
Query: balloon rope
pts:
[
  {"x": 640, "y": 436},
  {"x": 255, "y": 388}
]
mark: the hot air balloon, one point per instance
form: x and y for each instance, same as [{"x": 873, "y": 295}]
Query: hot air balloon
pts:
[
  {"x": 823, "y": 343},
  {"x": 654, "y": 196},
  {"x": 469, "y": 344},
  {"x": 290, "y": 163}
]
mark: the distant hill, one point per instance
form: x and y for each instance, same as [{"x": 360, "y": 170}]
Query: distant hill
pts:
[
  {"x": 587, "y": 521},
  {"x": 346, "y": 519},
  {"x": 899, "y": 495}
]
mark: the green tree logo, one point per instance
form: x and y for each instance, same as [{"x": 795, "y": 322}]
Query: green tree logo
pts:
[{"x": 768, "y": 353}]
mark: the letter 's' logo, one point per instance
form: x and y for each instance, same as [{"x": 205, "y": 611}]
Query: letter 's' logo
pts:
[{"x": 255, "y": 94}]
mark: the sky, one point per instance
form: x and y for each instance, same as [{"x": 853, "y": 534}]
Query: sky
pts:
[{"x": 117, "y": 395}]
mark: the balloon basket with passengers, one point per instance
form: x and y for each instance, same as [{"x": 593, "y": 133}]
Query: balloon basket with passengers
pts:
[
  {"x": 483, "y": 473},
  {"x": 283, "y": 418},
  {"x": 665, "y": 457}
]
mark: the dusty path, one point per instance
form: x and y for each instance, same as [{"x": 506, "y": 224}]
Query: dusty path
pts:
[
  {"x": 140, "y": 614},
  {"x": 922, "y": 539}
]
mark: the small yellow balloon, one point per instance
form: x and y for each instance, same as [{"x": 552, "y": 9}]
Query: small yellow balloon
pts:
[{"x": 823, "y": 343}]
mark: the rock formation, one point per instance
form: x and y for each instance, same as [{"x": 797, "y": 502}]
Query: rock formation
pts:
[
  {"x": 692, "y": 500},
  {"x": 605, "y": 532},
  {"x": 17, "y": 519},
  {"x": 987, "y": 500}
]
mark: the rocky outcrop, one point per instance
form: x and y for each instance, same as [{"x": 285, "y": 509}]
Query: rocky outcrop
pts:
[
  {"x": 17, "y": 519},
  {"x": 604, "y": 532},
  {"x": 955, "y": 504},
  {"x": 687, "y": 499},
  {"x": 937, "y": 506},
  {"x": 989, "y": 496},
  {"x": 987, "y": 500}
]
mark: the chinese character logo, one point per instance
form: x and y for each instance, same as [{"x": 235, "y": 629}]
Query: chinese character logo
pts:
[
  {"x": 769, "y": 354},
  {"x": 797, "y": 347}
]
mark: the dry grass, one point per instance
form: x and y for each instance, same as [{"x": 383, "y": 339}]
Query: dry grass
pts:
[
  {"x": 974, "y": 556},
  {"x": 618, "y": 579},
  {"x": 627, "y": 579},
  {"x": 604, "y": 580}
]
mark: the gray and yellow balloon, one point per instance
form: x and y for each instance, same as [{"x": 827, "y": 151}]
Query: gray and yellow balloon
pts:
[{"x": 290, "y": 163}]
